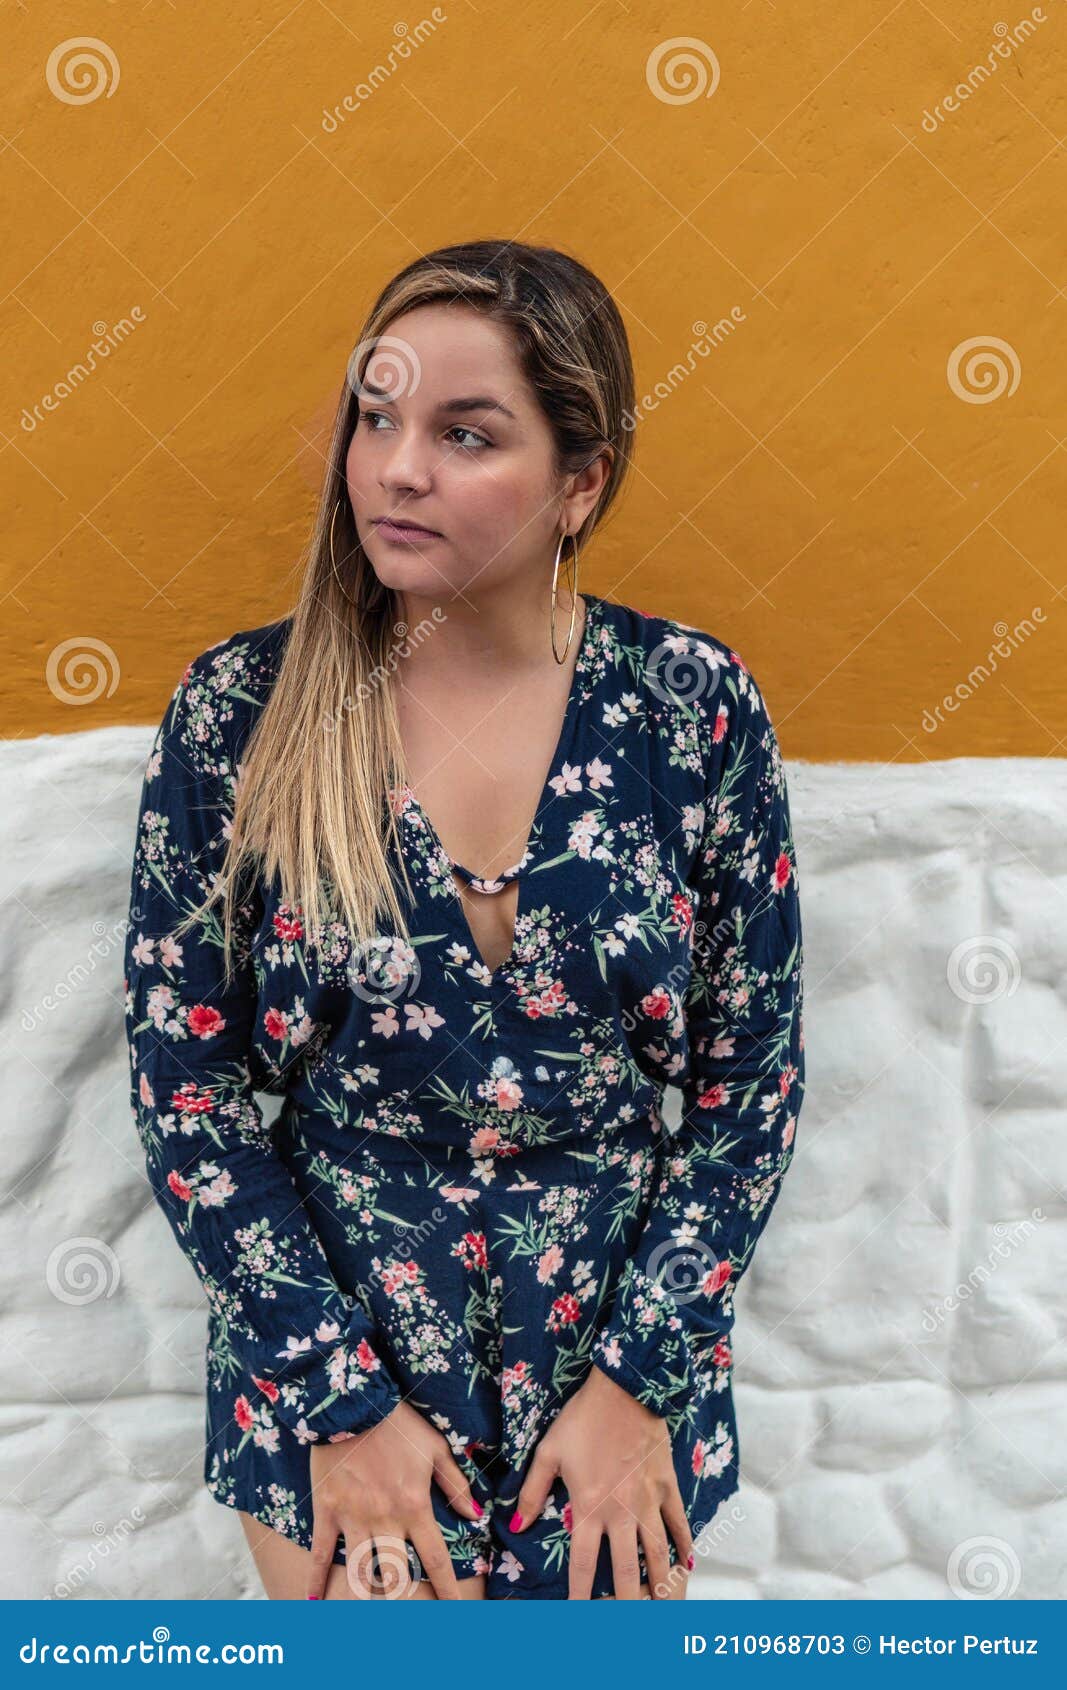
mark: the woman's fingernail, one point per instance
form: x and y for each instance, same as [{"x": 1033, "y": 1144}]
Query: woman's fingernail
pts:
[
  {"x": 692, "y": 1563},
  {"x": 312, "y": 1598},
  {"x": 478, "y": 1509},
  {"x": 516, "y": 1522}
]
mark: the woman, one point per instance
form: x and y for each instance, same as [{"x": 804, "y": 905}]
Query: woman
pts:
[{"x": 470, "y": 1299}]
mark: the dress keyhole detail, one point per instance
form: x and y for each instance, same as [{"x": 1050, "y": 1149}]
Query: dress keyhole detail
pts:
[{"x": 491, "y": 918}]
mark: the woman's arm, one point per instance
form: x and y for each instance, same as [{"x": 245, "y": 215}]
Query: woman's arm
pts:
[
  {"x": 721, "y": 1172},
  {"x": 302, "y": 1352}
]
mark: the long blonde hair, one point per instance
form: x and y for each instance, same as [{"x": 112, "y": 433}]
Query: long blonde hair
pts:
[{"x": 310, "y": 803}]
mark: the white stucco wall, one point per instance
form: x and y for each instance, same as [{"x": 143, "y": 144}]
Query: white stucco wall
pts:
[{"x": 900, "y": 1340}]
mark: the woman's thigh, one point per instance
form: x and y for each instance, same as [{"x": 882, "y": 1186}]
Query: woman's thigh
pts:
[{"x": 282, "y": 1566}]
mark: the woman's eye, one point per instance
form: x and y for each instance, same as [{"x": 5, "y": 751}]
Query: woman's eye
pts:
[
  {"x": 479, "y": 439},
  {"x": 474, "y": 440}
]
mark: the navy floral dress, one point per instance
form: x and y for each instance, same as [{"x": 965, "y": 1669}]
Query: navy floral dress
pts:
[{"x": 471, "y": 1195}]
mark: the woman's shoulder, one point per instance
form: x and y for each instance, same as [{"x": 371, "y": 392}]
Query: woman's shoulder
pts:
[
  {"x": 224, "y": 687},
  {"x": 665, "y": 638},
  {"x": 242, "y": 662},
  {"x": 234, "y": 676},
  {"x": 686, "y": 667}
]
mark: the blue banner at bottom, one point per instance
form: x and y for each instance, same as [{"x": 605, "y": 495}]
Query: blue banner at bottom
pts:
[{"x": 696, "y": 1643}]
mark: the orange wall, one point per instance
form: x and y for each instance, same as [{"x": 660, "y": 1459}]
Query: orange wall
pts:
[{"x": 817, "y": 490}]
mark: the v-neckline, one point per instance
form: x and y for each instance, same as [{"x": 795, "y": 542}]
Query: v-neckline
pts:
[{"x": 564, "y": 741}]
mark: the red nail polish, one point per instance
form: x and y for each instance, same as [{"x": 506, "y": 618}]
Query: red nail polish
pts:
[
  {"x": 516, "y": 1522},
  {"x": 692, "y": 1563},
  {"x": 312, "y": 1598},
  {"x": 478, "y": 1509}
]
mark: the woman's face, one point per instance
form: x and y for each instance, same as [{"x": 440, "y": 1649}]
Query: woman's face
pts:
[{"x": 480, "y": 476}]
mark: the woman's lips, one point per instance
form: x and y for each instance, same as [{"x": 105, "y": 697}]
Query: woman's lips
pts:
[{"x": 406, "y": 536}]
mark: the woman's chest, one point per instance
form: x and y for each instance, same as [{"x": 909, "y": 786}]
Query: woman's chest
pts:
[{"x": 585, "y": 1005}]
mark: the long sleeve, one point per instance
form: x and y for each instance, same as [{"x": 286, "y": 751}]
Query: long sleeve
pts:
[
  {"x": 298, "y": 1351},
  {"x": 720, "y": 1172}
]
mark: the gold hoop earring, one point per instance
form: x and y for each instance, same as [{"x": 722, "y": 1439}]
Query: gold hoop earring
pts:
[
  {"x": 574, "y": 596},
  {"x": 333, "y": 560}
]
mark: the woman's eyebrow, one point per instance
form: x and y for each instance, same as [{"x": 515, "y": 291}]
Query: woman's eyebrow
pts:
[{"x": 479, "y": 402}]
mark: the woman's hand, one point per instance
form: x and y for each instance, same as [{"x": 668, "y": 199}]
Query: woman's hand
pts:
[
  {"x": 374, "y": 1490},
  {"x": 614, "y": 1456}
]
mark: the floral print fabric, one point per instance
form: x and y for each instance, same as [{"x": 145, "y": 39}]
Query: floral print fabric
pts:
[{"x": 471, "y": 1195}]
